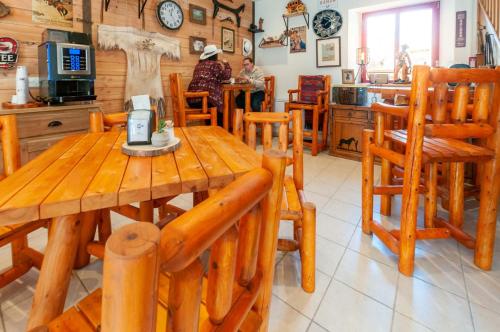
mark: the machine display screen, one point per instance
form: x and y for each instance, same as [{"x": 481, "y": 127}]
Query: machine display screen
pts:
[{"x": 74, "y": 59}]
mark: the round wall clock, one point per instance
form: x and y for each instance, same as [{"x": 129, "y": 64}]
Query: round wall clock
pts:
[
  {"x": 326, "y": 23},
  {"x": 169, "y": 14}
]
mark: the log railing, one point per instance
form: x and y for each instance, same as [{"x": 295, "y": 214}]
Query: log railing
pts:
[
  {"x": 238, "y": 223},
  {"x": 492, "y": 10}
]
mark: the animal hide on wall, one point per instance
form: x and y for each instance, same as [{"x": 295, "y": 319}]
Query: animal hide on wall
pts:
[{"x": 144, "y": 50}]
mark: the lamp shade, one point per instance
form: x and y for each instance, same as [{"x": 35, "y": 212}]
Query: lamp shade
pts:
[{"x": 363, "y": 56}]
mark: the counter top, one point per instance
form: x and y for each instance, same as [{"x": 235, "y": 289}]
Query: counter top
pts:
[{"x": 48, "y": 108}]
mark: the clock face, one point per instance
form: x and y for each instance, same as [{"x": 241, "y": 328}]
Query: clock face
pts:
[
  {"x": 326, "y": 23},
  {"x": 170, "y": 14}
]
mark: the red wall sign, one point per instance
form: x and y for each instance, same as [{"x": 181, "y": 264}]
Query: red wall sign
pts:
[{"x": 8, "y": 52}]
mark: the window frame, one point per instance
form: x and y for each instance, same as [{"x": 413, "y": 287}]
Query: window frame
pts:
[{"x": 435, "y": 5}]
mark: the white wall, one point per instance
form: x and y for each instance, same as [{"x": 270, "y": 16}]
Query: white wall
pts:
[{"x": 286, "y": 67}]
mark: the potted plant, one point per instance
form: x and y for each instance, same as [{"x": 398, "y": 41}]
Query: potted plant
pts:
[{"x": 161, "y": 137}]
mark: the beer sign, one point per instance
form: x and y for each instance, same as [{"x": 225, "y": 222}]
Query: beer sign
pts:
[{"x": 8, "y": 52}]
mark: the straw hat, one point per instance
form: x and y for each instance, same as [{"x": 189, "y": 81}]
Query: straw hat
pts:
[{"x": 208, "y": 51}]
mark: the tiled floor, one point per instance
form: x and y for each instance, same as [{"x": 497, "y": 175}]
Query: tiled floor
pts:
[{"x": 358, "y": 287}]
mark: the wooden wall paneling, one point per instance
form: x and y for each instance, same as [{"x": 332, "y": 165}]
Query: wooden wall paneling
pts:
[{"x": 111, "y": 66}]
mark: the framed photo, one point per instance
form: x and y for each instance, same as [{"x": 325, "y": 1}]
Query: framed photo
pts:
[
  {"x": 227, "y": 40},
  {"x": 196, "y": 45},
  {"x": 347, "y": 76},
  {"x": 298, "y": 40},
  {"x": 328, "y": 52},
  {"x": 197, "y": 14}
]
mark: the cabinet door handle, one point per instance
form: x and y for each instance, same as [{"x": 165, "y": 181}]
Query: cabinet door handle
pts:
[{"x": 55, "y": 123}]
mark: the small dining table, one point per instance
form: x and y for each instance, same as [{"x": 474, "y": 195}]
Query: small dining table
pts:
[
  {"x": 228, "y": 91},
  {"x": 88, "y": 172}
]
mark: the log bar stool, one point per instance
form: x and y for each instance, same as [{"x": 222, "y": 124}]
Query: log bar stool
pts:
[
  {"x": 313, "y": 95},
  {"x": 182, "y": 112},
  {"x": 154, "y": 280},
  {"x": 294, "y": 207},
  {"x": 443, "y": 144},
  {"x": 23, "y": 257}
]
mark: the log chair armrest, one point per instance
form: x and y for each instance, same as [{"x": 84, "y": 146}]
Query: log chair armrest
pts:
[
  {"x": 290, "y": 94},
  {"x": 195, "y": 94},
  {"x": 401, "y": 111},
  {"x": 114, "y": 119},
  {"x": 459, "y": 131}
]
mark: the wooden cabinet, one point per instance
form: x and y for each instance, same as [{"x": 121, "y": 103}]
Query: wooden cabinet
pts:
[
  {"x": 347, "y": 124},
  {"x": 40, "y": 128}
]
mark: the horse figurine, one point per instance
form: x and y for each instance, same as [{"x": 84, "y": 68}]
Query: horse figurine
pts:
[{"x": 348, "y": 142}]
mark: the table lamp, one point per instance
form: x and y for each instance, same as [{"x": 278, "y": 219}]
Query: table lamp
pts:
[{"x": 362, "y": 59}]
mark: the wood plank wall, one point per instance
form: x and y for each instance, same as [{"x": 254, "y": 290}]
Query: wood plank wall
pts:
[{"x": 111, "y": 66}]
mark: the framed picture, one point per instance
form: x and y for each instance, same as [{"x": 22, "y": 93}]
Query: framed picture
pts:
[
  {"x": 227, "y": 40},
  {"x": 197, "y": 14},
  {"x": 347, "y": 76},
  {"x": 196, "y": 45},
  {"x": 328, "y": 52},
  {"x": 298, "y": 39}
]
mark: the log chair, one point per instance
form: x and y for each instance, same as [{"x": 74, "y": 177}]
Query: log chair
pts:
[
  {"x": 182, "y": 112},
  {"x": 313, "y": 95},
  {"x": 154, "y": 280},
  {"x": 295, "y": 206},
  {"x": 443, "y": 143},
  {"x": 268, "y": 102},
  {"x": 23, "y": 257}
]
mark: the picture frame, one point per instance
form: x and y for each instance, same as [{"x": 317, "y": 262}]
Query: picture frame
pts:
[
  {"x": 197, "y": 14},
  {"x": 328, "y": 52},
  {"x": 227, "y": 40},
  {"x": 348, "y": 76},
  {"x": 196, "y": 44}
]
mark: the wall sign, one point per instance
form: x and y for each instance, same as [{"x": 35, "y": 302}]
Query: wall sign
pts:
[
  {"x": 327, "y": 4},
  {"x": 53, "y": 12},
  {"x": 460, "y": 29},
  {"x": 8, "y": 52}
]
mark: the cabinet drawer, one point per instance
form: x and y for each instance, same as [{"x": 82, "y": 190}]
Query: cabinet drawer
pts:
[
  {"x": 47, "y": 123},
  {"x": 32, "y": 147},
  {"x": 351, "y": 114}
]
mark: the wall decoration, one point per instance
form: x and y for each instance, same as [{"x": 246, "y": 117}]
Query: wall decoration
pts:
[
  {"x": 144, "y": 50},
  {"x": 328, "y": 52},
  {"x": 197, "y": 14},
  {"x": 347, "y": 76},
  {"x": 4, "y": 10},
  {"x": 298, "y": 37},
  {"x": 236, "y": 11},
  {"x": 246, "y": 47},
  {"x": 460, "y": 28},
  {"x": 227, "y": 40},
  {"x": 326, "y": 23},
  {"x": 53, "y": 12},
  {"x": 196, "y": 45},
  {"x": 169, "y": 14},
  {"x": 8, "y": 52},
  {"x": 295, "y": 7},
  {"x": 327, "y": 4}
]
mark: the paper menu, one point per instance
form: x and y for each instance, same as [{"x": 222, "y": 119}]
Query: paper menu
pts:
[{"x": 141, "y": 102}]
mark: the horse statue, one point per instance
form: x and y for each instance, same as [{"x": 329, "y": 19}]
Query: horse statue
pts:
[{"x": 348, "y": 142}]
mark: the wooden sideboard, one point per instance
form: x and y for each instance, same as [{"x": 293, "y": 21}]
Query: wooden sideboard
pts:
[
  {"x": 40, "y": 128},
  {"x": 347, "y": 124}
]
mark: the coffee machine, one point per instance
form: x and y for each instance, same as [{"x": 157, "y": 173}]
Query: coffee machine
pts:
[{"x": 66, "y": 66}]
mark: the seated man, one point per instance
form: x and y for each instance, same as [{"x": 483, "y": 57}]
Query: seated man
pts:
[{"x": 254, "y": 75}]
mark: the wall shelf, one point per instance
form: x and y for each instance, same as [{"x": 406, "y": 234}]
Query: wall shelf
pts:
[
  {"x": 287, "y": 16},
  {"x": 255, "y": 30},
  {"x": 271, "y": 44}
]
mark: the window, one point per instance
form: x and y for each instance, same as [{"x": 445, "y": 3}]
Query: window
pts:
[{"x": 384, "y": 32}]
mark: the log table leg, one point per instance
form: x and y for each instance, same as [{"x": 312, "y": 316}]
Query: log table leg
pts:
[
  {"x": 225, "y": 116},
  {"x": 53, "y": 283},
  {"x": 247, "y": 101}
]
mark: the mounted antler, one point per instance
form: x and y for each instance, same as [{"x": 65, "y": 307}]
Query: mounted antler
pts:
[{"x": 235, "y": 11}]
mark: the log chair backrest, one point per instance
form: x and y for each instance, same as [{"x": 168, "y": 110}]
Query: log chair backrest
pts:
[
  {"x": 239, "y": 224},
  {"x": 177, "y": 95},
  {"x": 267, "y": 120},
  {"x": 269, "y": 82},
  {"x": 10, "y": 144},
  {"x": 310, "y": 84}
]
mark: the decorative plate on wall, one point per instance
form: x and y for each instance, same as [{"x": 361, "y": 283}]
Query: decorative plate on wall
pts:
[{"x": 326, "y": 23}]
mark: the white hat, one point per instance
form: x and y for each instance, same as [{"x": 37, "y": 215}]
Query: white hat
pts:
[{"x": 208, "y": 51}]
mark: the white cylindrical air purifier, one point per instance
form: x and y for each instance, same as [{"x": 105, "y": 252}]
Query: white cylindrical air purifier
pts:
[{"x": 22, "y": 84}]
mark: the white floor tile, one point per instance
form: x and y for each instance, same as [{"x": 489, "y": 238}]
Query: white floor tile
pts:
[
  {"x": 316, "y": 328},
  {"x": 371, "y": 246},
  {"x": 368, "y": 277},
  {"x": 431, "y": 306},
  {"x": 402, "y": 323},
  {"x": 344, "y": 211},
  {"x": 485, "y": 320},
  {"x": 318, "y": 200},
  {"x": 483, "y": 287},
  {"x": 91, "y": 275},
  {"x": 333, "y": 229},
  {"x": 287, "y": 286},
  {"x": 285, "y": 318},
  {"x": 349, "y": 195},
  {"x": 344, "y": 309}
]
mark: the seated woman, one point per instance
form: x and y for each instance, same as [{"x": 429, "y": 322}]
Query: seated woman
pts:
[{"x": 208, "y": 75}]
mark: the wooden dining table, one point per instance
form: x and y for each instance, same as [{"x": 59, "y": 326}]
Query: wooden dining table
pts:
[
  {"x": 228, "y": 91},
  {"x": 87, "y": 172}
]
